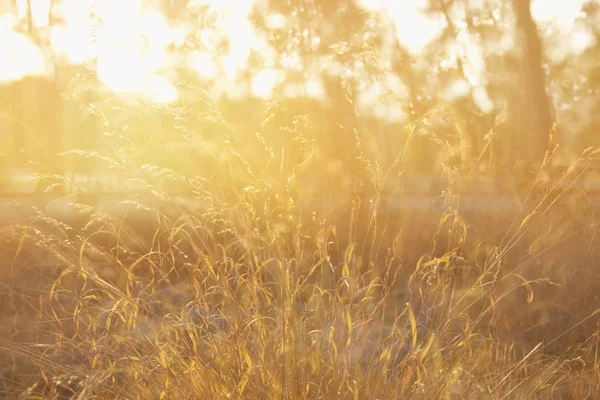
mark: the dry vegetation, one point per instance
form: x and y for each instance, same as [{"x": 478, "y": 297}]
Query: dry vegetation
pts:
[
  {"x": 257, "y": 272},
  {"x": 395, "y": 228}
]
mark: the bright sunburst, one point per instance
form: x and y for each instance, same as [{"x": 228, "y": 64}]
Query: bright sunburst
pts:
[{"x": 130, "y": 40}]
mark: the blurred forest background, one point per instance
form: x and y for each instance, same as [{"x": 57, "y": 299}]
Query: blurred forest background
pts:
[{"x": 480, "y": 72}]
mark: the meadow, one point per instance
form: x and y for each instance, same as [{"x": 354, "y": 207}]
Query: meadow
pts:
[
  {"x": 272, "y": 276},
  {"x": 299, "y": 200}
]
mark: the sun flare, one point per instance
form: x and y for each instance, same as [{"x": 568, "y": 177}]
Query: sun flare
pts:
[
  {"x": 299, "y": 199},
  {"x": 130, "y": 40},
  {"x": 135, "y": 49}
]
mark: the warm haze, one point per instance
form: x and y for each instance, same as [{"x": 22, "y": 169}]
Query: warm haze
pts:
[{"x": 305, "y": 199}]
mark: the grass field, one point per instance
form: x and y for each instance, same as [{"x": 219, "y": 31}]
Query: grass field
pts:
[
  {"x": 299, "y": 199},
  {"x": 266, "y": 278}
]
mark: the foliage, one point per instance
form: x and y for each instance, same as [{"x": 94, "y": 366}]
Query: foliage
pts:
[{"x": 290, "y": 248}]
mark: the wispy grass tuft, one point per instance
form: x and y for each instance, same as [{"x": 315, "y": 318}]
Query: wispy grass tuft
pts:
[{"x": 275, "y": 270}]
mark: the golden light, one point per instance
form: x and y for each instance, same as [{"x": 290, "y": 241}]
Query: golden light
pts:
[
  {"x": 264, "y": 83},
  {"x": 560, "y": 18},
  {"x": 314, "y": 89},
  {"x": 25, "y": 58},
  {"x": 158, "y": 89},
  {"x": 75, "y": 38},
  {"x": 561, "y": 13},
  {"x": 40, "y": 11},
  {"x": 234, "y": 25},
  {"x": 132, "y": 48},
  {"x": 414, "y": 27},
  {"x": 275, "y": 21},
  {"x": 241, "y": 37},
  {"x": 130, "y": 41},
  {"x": 204, "y": 65},
  {"x": 456, "y": 89}
]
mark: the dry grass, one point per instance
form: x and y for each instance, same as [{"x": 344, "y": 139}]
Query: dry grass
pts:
[{"x": 261, "y": 268}]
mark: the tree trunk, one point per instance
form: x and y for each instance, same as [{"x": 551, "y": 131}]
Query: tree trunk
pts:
[{"x": 538, "y": 118}]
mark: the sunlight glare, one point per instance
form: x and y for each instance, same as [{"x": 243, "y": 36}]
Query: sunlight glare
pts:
[
  {"x": 314, "y": 89},
  {"x": 26, "y": 59},
  {"x": 74, "y": 38},
  {"x": 159, "y": 89},
  {"x": 132, "y": 48},
  {"x": 482, "y": 99},
  {"x": 581, "y": 40},
  {"x": 561, "y": 18},
  {"x": 577, "y": 40},
  {"x": 457, "y": 89},
  {"x": 235, "y": 26},
  {"x": 241, "y": 37},
  {"x": 560, "y": 12},
  {"x": 264, "y": 83},
  {"x": 414, "y": 27},
  {"x": 396, "y": 86},
  {"x": 204, "y": 65},
  {"x": 275, "y": 21},
  {"x": 40, "y": 11}
]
